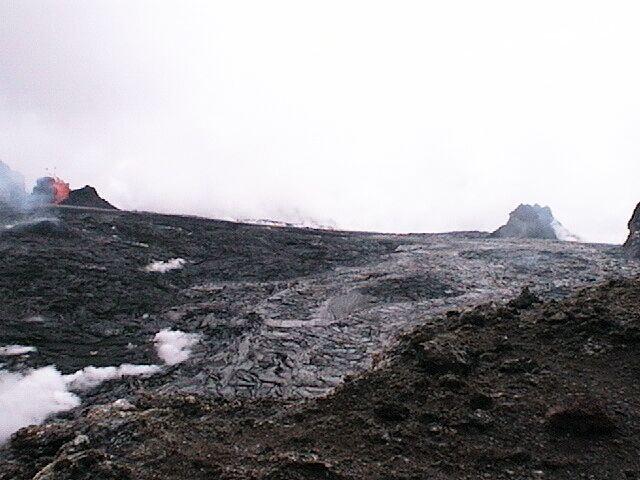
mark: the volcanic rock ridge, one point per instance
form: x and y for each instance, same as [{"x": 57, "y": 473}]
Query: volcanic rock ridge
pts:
[
  {"x": 632, "y": 245},
  {"x": 87, "y": 197},
  {"x": 533, "y": 221}
]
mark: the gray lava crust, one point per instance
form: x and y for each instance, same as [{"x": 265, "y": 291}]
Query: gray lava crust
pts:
[{"x": 283, "y": 312}]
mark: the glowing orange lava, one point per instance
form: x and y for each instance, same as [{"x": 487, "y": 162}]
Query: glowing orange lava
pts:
[{"x": 61, "y": 190}]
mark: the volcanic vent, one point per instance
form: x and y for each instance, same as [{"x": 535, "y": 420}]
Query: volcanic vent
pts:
[{"x": 51, "y": 190}]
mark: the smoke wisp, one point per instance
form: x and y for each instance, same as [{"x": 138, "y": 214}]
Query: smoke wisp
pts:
[{"x": 19, "y": 209}]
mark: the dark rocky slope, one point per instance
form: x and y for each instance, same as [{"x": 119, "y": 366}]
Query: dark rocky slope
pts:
[
  {"x": 525, "y": 390},
  {"x": 632, "y": 245},
  {"x": 82, "y": 277}
]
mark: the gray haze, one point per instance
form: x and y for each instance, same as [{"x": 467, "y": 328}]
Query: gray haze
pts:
[{"x": 392, "y": 116}]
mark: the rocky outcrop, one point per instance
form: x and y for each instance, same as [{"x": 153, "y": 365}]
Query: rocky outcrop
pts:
[
  {"x": 533, "y": 221},
  {"x": 632, "y": 245},
  {"x": 87, "y": 197}
]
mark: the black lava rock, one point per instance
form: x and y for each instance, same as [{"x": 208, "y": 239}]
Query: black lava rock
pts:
[
  {"x": 87, "y": 197},
  {"x": 531, "y": 221},
  {"x": 632, "y": 245}
]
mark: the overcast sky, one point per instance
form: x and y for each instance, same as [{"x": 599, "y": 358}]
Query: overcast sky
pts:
[{"x": 389, "y": 116}]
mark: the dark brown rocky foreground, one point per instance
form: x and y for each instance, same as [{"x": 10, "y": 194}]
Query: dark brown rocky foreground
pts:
[{"x": 519, "y": 390}]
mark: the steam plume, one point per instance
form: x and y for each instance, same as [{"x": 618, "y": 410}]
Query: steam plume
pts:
[
  {"x": 174, "y": 346},
  {"x": 90, "y": 377},
  {"x": 19, "y": 209},
  {"x": 13, "y": 350},
  {"x": 29, "y": 399},
  {"x": 164, "y": 267}
]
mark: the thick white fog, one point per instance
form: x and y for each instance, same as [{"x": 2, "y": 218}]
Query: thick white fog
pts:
[{"x": 388, "y": 116}]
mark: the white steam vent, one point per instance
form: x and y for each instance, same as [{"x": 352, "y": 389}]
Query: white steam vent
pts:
[
  {"x": 14, "y": 350},
  {"x": 159, "y": 266},
  {"x": 90, "y": 377},
  {"x": 29, "y": 399},
  {"x": 562, "y": 233},
  {"x": 174, "y": 346}
]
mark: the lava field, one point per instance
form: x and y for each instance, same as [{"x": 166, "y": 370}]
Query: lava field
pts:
[{"x": 417, "y": 356}]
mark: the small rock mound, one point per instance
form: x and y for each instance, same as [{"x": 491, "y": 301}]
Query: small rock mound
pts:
[
  {"x": 533, "y": 221},
  {"x": 525, "y": 300},
  {"x": 632, "y": 245},
  {"x": 88, "y": 197},
  {"x": 442, "y": 355}
]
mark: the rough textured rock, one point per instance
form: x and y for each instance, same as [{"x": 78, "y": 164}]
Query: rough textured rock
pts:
[
  {"x": 533, "y": 221},
  {"x": 283, "y": 313},
  {"x": 575, "y": 416},
  {"x": 87, "y": 197},
  {"x": 287, "y": 314},
  {"x": 36, "y": 226},
  {"x": 632, "y": 245}
]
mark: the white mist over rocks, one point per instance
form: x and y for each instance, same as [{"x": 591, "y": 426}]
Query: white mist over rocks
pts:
[
  {"x": 12, "y": 188},
  {"x": 562, "y": 233},
  {"x": 29, "y": 398},
  {"x": 90, "y": 377},
  {"x": 290, "y": 110},
  {"x": 14, "y": 199},
  {"x": 14, "y": 350}
]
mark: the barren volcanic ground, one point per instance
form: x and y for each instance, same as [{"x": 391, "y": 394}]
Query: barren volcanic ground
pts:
[{"x": 285, "y": 314}]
